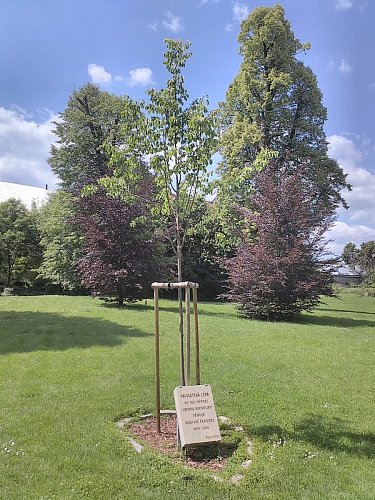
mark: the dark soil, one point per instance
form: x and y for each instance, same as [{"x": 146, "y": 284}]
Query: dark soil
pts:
[{"x": 212, "y": 456}]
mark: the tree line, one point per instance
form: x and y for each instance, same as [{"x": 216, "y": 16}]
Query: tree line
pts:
[{"x": 137, "y": 201}]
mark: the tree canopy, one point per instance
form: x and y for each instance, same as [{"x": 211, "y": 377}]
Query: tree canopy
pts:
[
  {"x": 121, "y": 255},
  {"x": 274, "y": 109},
  {"x": 61, "y": 241},
  {"x": 19, "y": 241},
  {"x": 139, "y": 171},
  {"x": 181, "y": 141},
  {"x": 86, "y": 131},
  {"x": 363, "y": 258},
  {"x": 284, "y": 270}
]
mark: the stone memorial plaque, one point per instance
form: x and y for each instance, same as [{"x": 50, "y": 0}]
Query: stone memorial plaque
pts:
[{"x": 196, "y": 415}]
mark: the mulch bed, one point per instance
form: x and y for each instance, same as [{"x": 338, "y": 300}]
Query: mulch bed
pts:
[{"x": 212, "y": 457}]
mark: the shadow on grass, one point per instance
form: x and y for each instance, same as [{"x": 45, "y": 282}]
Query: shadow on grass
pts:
[
  {"x": 34, "y": 331},
  {"x": 143, "y": 305},
  {"x": 307, "y": 319},
  {"x": 331, "y": 434},
  {"x": 315, "y": 319},
  {"x": 347, "y": 311},
  {"x": 224, "y": 449},
  {"x": 203, "y": 312},
  {"x": 148, "y": 306}
]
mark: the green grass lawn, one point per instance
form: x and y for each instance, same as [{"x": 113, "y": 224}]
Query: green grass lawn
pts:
[{"x": 69, "y": 367}]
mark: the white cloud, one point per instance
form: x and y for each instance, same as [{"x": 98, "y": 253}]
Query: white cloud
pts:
[
  {"x": 24, "y": 148},
  {"x": 342, "y": 67},
  {"x": 357, "y": 234},
  {"x": 98, "y": 74},
  {"x": 153, "y": 26},
  {"x": 360, "y": 224},
  {"x": 240, "y": 12},
  {"x": 173, "y": 22},
  {"x": 343, "y": 233},
  {"x": 343, "y": 4},
  {"x": 361, "y": 199},
  {"x": 140, "y": 76},
  {"x": 345, "y": 67},
  {"x": 349, "y": 4},
  {"x": 343, "y": 150}
]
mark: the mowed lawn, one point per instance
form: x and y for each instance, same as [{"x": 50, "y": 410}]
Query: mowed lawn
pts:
[{"x": 69, "y": 367}]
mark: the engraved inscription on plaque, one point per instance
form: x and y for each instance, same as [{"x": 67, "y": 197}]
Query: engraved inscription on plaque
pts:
[{"x": 196, "y": 415}]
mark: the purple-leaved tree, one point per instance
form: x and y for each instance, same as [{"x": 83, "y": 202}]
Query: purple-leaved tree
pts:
[
  {"x": 121, "y": 253},
  {"x": 285, "y": 269}
]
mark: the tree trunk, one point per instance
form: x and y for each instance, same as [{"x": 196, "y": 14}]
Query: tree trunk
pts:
[
  {"x": 120, "y": 297},
  {"x": 9, "y": 270},
  {"x": 180, "y": 300}
]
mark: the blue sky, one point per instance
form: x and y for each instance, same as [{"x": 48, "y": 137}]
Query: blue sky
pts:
[{"x": 48, "y": 48}]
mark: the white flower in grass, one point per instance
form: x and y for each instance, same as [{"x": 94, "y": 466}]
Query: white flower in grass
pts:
[{"x": 309, "y": 455}]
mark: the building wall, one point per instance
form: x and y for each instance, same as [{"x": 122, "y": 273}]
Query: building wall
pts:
[
  {"x": 348, "y": 279},
  {"x": 27, "y": 194}
]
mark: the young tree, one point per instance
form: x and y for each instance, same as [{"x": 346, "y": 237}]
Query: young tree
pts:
[
  {"x": 285, "y": 270},
  {"x": 121, "y": 255},
  {"x": 19, "y": 241},
  {"x": 274, "y": 109},
  {"x": 181, "y": 140}
]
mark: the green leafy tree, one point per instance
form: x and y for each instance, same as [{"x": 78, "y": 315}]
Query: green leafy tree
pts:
[
  {"x": 363, "y": 257},
  {"x": 86, "y": 131},
  {"x": 366, "y": 259},
  {"x": 274, "y": 110},
  {"x": 208, "y": 242},
  {"x": 61, "y": 241},
  {"x": 350, "y": 255},
  {"x": 19, "y": 241},
  {"x": 89, "y": 130},
  {"x": 181, "y": 140},
  {"x": 127, "y": 166}
]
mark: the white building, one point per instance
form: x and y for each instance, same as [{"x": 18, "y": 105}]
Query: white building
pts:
[{"x": 27, "y": 194}]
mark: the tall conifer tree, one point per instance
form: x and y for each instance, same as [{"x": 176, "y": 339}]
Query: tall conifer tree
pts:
[{"x": 274, "y": 110}]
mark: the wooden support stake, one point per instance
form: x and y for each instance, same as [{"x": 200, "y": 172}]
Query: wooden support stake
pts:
[
  {"x": 181, "y": 333},
  {"x": 187, "y": 285},
  {"x": 196, "y": 337},
  {"x": 172, "y": 285},
  {"x": 157, "y": 358},
  {"x": 188, "y": 342}
]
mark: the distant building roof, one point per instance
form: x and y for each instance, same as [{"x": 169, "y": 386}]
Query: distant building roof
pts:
[
  {"x": 27, "y": 194},
  {"x": 348, "y": 271}
]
